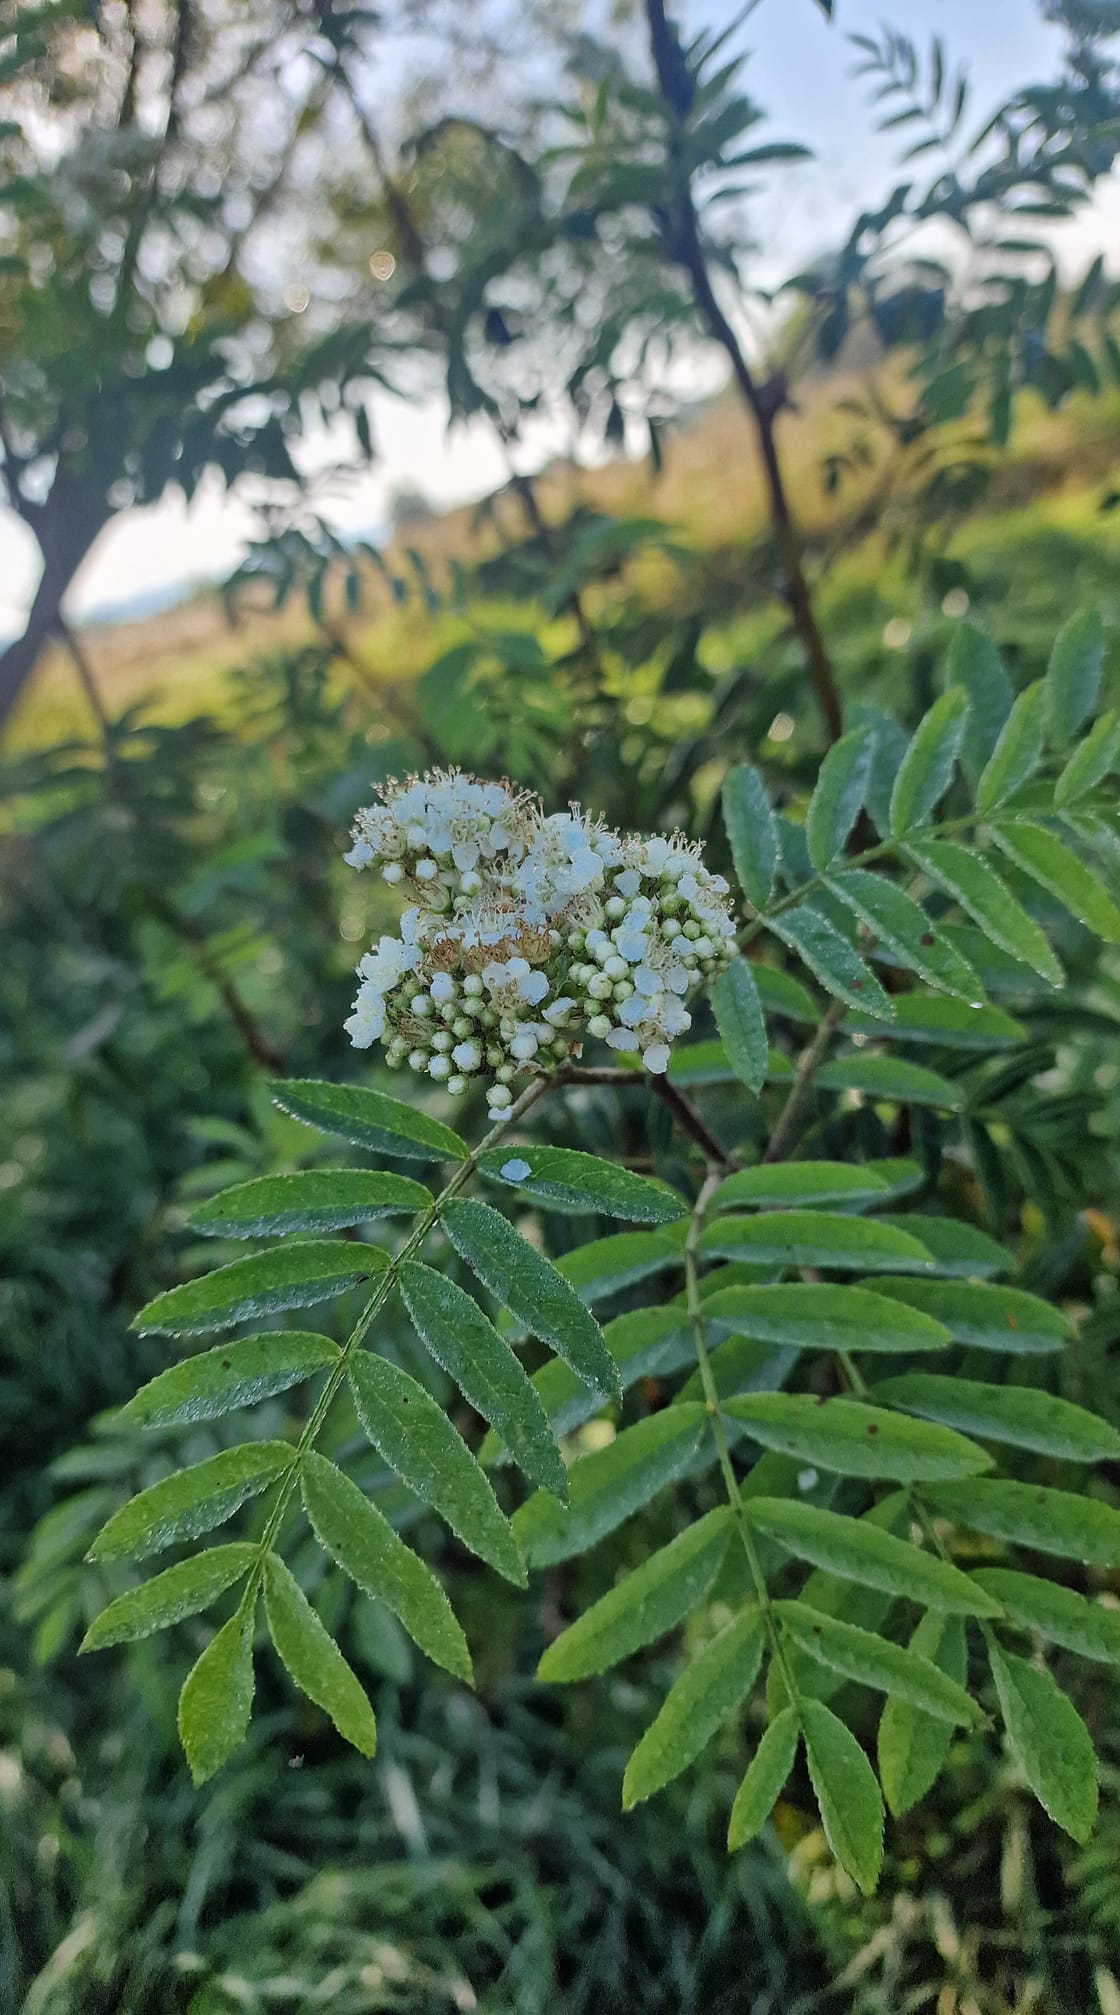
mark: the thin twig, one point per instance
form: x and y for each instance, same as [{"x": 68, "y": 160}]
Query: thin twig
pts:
[
  {"x": 782, "y": 1137},
  {"x": 685, "y": 1114}
]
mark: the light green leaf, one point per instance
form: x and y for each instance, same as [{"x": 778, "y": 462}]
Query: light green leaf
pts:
[
  {"x": 1066, "y": 1618},
  {"x": 364, "y": 1545},
  {"x": 192, "y": 1501},
  {"x": 1092, "y": 760},
  {"x": 890, "y": 1078},
  {"x": 182, "y": 1590},
  {"x": 217, "y": 1698},
  {"x": 291, "y": 1276},
  {"x": 854, "y": 1439},
  {"x": 414, "y": 1436},
  {"x": 646, "y": 1604},
  {"x": 1028, "y": 1514},
  {"x": 975, "y": 664},
  {"x": 871, "y": 1660},
  {"x": 811, "y": 1317},
  {"x": 838, "y": 796},
  {"x": 926, "y": 770},
  {"x": 813, "y": 1238},
  {"x": 1018, "y": 752},
  {"x": 1073, "y": 676},
  {"x": 608, "y": 1486},
  {"x": 530, "y": 1287},
  {"x": 1049, "y": 1741},
  {"x": 766, "y": 1775},
  {"x": 1056, "y": 867},
  {"x": 801, "y": 1182},
  {"x": 604, "y": 1266},
  {"x": 959, "y": 1250},
  {"x": 751, "y": 831},
  {"x": 850, "y": 1801},
  {"x": 835, "y": 962},
  {"x": 987, "y": 1317},
  {"x": 312, "y": 1658},
  {"x": 906, "y": 934},
  {"x": 325, "y": 1199},
  {"x": 738, "y": 1013},
  {"x": 707, "y": 1692},
  {"x": 564, "y": 1179},
  {"x": 944, "y": 1022},
  {"x": 968, "y": 879},
  {"x": 913, "y": 1744},
  {"x": 369, "y": 1119},
  {"x": 231, "y": 1375},
  {"x": 858, "y": 1551},
  {"x": 459, "y": 1337},
  {"x": 1013, "y": 1413}
]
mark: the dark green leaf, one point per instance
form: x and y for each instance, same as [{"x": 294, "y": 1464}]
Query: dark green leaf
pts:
[
  {"x": 1074, "y": 675},
  {"x": 217, "y": 1698},
  {"x": 230, "y": 1375},
  {"x": 1066, "y": 1618},
  {"x": 838, "y": 796},
  {"x": 926, "y": 770},
  {"x": 1018, "y": 752},
  {"x": 854, "y": 1439},
  {"x": 858, "y": 1551},
  {"x": 812, "y": 1317},
  {"x": 646, "y": 1343},
  {"x": 364, "y": 1545},
  {"x": 813, "y": 1238},
  {"x": 290, "y": 1276},
  {"x": 987, "y": 1317},
  {"x": 1012, "y": 1413},
  {"x": 564, "y": 1179},
  {"x": 193, "y": 1500},
  {"x": 850, "y": 1801},
  {"x": 945, "y": 1022},
  {"x": 369, "y": 1119},
  {"x": 871, "y": 1660},
  {"x": 958, "y": 1249},
  {"x": 414, "y": 1436},
  {"x": 890, "y": 1078},
  {"x": 608, "y": 1486},
  {"x": 707, "y": 1692},
  {"x": 752, "y": 832},
  {"x": 1092, "y": 760},
  {"x": 906, "y": 934},
  {"x": 312, "y": 1658},
  {"x": 316, "y": 1200},
  {"x": 532, "y": 1290},
  {"x": 913, "y": 1744},
  {"x": 646, "y": 1604},
  {"x": 606, "y": 1265},
  {"x": 801, "y": 1182},
  {"x": 1049, "y": 1740},
  {"x": 835, "y": 962},
  {"x": 738, "y": 1014},
  {"x": 975, "y": 664},
  {"x": 1029, "y": 1514},
  {"x": 766, "y": 1774},
  {"x": 182, "y": 1590},
  {"x": 968, "y": 879}
]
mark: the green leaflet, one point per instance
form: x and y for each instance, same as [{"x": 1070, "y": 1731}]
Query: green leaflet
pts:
[
  {"x": 906, "y": 934},
  {"x": 647, "y": 1343},
  {"x": 871, "y": 1660},
  {"x": 312, "y": 1658},
  {"x": 801, "y": 1182},
  {"x": 858, "y": 1551},
  {"x": 217, "y": 1698},
  {"x": 987, "y": 1317},
  {"x": 832, "y": 1596},
  {"x": 608, "y": 1486},
  {"x": 957, "y": 1249},
  {"x": 414, "y": 1436},
  {"x": 192, "y": 1501},
  {"x": 984, "y": 896},
  {"x": 1028, "y": 1514},
  {"x": 1048, "y": 861},
  {"x": 182, "y": 1590},
  {"x": 369, "y": 1119},
  {"x": 231, "y": 1375},
  {"x": 707, "y": 1692},
  {"x": 646, "y": 1604},
  {"x": 1092, "y": 760},
  {"x": 913, "y": 1744},
  {"x": 851, "y": 1804},
  {"x": 1049, "y": 1740},
  {"x": 290, "y": 1276},
  {"x": 364, "y": 1545},
  {"x": 751, "y": 831},
  {"x": 460, "y": 1338},
  {"x": 811, "y": 1317},
  {"x": 325, "y": 1199},
  {"x": 854, "y": 1439},
  {"x": 945, "y": 1022},
  {"x": 781, "y": 995},
  {"x": 1066, "y": 1618},
  {"x": 530, "y": 1287},
  {"x": 835, "y": 962},
  {"x": 926, "y": 770},
  {"x": 1018, "y": 752},
  {"x": 564, "y": 1179},
  {"x": 604, "y": 1266},
  {"x": 766, "y": 1775},
  {"x": 975, "y": 664},
  {"x": 813, "y": 1238},
  {"x": 1013, "y": 1413},
  {"x": 742, "y": 1030},
  {"x": 838, "y": 795},
  {"x": 1073, "y": 676},
  {"x": 892, "y": 1078}
]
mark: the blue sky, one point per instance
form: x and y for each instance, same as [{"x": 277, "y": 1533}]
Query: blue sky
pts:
[{"x": 800, "y": 70}]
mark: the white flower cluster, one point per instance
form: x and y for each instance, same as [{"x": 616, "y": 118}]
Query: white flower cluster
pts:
[{"x": 527, "y": 932}]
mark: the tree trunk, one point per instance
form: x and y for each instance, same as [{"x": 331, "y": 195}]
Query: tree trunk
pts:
[{"x": 66, "y": 529}]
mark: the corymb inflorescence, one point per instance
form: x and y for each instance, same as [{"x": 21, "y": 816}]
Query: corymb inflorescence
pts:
[{"x": 526, "y": 932}]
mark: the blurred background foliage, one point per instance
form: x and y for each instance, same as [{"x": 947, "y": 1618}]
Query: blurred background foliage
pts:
[{"x": 921, "y": 426}]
